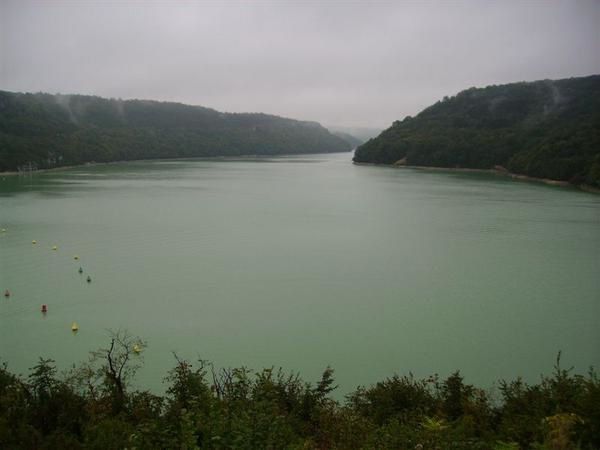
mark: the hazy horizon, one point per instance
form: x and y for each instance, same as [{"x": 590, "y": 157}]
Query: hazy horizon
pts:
[{"x": 345, "y": 64}]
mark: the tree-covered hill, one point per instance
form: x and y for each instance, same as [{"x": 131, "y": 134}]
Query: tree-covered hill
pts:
[
  {"x": 44, "y": 131},
  {"x": 545, "y": 129}
]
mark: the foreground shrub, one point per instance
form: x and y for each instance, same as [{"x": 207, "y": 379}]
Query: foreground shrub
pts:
[{"x": 93, "y": 406}]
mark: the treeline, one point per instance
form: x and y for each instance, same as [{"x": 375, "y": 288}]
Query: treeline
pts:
[
  {"x": 40, "y": 131},
  {"x": 545, "y": 129},
  {"x": 94, "y": 406}
]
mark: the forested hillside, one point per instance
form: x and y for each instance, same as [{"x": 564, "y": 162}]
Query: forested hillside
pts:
[
  {"x": 42, "y": 131},
  {"x": 546, "y": 129}
]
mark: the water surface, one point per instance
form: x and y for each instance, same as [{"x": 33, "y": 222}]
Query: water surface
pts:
[{"x": 302, "y": 262}]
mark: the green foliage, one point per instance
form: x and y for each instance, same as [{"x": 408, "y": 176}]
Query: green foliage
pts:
[
  {"x": 545, "y": 129},
  {"x": 42, "y": 131},
  {"x": 205, "y": 408},
  {"x": 537, "y": 413},
  {"x": 401, "y": 398}
]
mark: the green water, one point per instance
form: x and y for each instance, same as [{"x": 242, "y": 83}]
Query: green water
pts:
[{"x": 302, "y": 262}]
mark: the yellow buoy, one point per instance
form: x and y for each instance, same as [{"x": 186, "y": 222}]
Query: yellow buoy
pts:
[
  {"x": 74, "y": 327},
  {"x": 75, "y": 257},
  {"x": 54, "y": 247},
  {"x": 34, "y": 242},
  {"x": 137, "y": 348}
]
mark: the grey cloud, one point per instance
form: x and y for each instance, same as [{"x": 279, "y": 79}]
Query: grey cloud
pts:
[{"x": 339, "y": 63}]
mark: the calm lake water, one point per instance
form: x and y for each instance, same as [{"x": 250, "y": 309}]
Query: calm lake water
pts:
[{"x": 302, "y": 262}]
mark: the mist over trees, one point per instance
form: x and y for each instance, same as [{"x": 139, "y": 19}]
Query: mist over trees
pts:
[
  {"x": 40, "y": 131},
  {"x": 545, "y": 129},
  {"x": 361, "y": 134},
  {"x": 350, "y": 139}
]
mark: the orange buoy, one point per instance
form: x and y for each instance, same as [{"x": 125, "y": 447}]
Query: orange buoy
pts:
[{"x": 44, "y": 308}]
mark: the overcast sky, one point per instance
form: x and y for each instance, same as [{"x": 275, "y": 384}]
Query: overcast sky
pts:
[{"x": 339, "y": 63}]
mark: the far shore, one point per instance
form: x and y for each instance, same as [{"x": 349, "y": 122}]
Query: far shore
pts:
[
  {"x": 499, "y": 171},
  {"x": 94, "y": 163},
  {"x": 53, "y": 169}
]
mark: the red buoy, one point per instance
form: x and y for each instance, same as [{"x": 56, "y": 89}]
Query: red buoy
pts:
[
  {"x": 44, "y": 308},
  {"x": 7, "y": 293}
]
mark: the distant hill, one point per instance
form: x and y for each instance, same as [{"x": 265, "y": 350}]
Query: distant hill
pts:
[
  {"x": 351, "y": 140},
  {"x": 362, "y": 134},
  {"x": 44, "y": 131},
  {"x": 545, "y": 129}
]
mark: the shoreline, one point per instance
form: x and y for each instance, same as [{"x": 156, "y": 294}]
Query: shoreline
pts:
[
  {"x": 498, "y": 172},
  {"x": 53, "y": 169},
  {"x": 91, "y": 164}
]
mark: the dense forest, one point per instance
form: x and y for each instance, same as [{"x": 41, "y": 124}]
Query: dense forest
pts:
[
  {"x": 40, "y": 131},
  {"x": 544, "y": 129},
  {"x": 94, "y": 405}
]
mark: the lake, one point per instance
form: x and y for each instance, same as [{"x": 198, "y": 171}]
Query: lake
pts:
[{"x": 301, "y": 262}]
